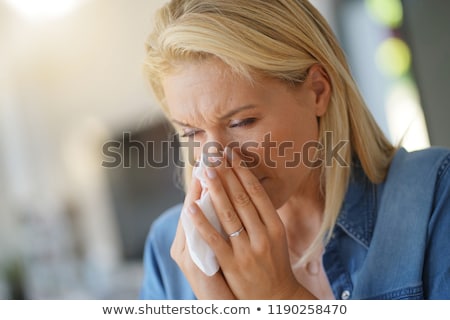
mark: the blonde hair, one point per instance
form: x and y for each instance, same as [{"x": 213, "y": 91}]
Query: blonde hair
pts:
[{"x": 280, "y": 39}]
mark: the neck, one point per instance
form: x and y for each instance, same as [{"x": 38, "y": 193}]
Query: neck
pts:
[{"x": 302, "y": 214}]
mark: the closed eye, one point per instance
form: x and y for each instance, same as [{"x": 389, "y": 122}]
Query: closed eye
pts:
[
  {"x": 242, "y": 123},
  {"x": 190, "y": 133}
]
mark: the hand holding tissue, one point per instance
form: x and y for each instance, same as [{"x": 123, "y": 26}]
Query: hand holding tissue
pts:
[{"x": 201, "y": 253}]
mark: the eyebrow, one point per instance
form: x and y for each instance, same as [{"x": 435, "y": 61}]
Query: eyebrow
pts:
[{"x": 225, "y": 116}]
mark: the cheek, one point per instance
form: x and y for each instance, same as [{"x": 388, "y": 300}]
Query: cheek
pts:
[
  {"x": 190, "y": 150},
  {"x": 268, "y": 152},
  {"x": 252, "y": 154},
  {"x": 283, "y": 146},
  {"x": 282, "y": 153}
]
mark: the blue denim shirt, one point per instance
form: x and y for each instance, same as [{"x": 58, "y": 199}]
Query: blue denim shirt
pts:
[{"x": 391, "y": 240}]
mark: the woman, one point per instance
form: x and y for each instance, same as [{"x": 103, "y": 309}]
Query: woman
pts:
[{"x": 325, "y": 206}]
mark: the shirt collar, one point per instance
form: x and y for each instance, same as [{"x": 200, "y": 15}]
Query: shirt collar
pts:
[{"x": 358, "y": 213}]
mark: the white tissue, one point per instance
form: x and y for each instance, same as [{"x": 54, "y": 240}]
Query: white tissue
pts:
[{"x": 201, "y": 253}]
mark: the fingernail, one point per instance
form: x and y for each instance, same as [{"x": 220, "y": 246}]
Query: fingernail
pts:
[
  {"x": 192, "y": 209},
  {"x": 214, "y": 162},
  {"x": 211, "y": 173}
]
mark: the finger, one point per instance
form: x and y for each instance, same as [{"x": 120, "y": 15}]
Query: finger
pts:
[
  {"x": 234, "y": 204},
  {"x": 224, "y": 209},
  {"x": 254, "y": 189},
  {"x": 211, "y": 236},
  {"x": 193, "y": 193}
]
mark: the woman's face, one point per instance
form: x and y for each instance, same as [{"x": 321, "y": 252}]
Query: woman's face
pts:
[{"x": 267, "y": 120}]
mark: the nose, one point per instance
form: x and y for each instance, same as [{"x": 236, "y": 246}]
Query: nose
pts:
[{"x": 213, "y": 145}]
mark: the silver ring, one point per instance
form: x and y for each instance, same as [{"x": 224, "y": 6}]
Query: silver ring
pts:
[{"x": 236, "y": 233}]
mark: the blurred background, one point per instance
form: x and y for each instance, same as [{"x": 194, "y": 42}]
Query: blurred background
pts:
[{"x": 71, "y": 81}]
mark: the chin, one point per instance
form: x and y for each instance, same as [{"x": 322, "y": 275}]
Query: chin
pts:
[{"x": 275, "y": 194}]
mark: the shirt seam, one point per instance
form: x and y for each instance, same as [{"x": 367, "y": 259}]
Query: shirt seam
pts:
[{"x": 443, "y": 169}]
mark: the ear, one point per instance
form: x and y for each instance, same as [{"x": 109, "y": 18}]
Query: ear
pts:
[{"x": 319, "y": 83}]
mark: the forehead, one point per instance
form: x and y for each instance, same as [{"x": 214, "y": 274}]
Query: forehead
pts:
[
  {"x": 208, "y": 88},
  {"x": 198, "y": 78}
]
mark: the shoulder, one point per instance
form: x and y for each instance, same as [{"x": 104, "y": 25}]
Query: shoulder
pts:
[
  {"x": 418, "y": 169},
  {"x": 436, "y": 265},
  {"x": 415, "y": 179},
  {"x": 412, "y": 223},
  {"x": 162, "y": 277},
  {"x": 165, "y": 226},
  {"x": 414, "y": 195},
  {"x": 421, "y": 161},
  {"x": 162, "y": 232}
]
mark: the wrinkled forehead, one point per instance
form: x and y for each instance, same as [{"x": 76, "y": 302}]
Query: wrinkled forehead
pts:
[{"x": 205, "y": 87}]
